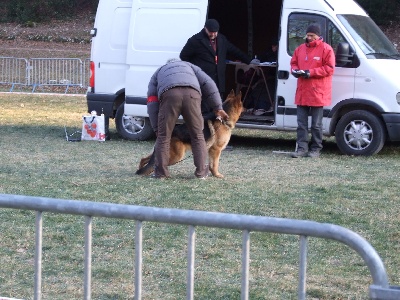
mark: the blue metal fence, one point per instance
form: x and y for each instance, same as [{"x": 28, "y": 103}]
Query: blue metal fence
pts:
[
  {"x": 47, "y": 73},
  {"x": 14, "y": 71}
]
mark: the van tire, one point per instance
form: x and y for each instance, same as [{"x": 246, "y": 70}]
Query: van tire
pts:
[
  {"x": 131, "y": 127},
  {"x": 360, "y": 132}
]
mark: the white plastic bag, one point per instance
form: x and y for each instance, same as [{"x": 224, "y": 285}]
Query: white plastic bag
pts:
[{"x": 93, "y": 128}]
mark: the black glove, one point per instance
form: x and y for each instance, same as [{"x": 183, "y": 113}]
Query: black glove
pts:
[
  {"x": 306, "y": 74},
  {"x": 296, "y": 73}
]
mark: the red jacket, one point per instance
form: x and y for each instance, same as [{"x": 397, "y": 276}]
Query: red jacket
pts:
[{"x": 317, "y": 57}]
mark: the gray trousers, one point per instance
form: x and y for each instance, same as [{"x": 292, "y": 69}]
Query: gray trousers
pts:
[
  {"x": 316, "y": 113},
  {"x": 183, "y": 101}
]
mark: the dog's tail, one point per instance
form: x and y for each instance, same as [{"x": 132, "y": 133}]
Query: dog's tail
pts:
[{"x": 146, "y": 165}]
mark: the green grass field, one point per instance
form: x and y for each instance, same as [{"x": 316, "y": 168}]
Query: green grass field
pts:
[{"x": 359, "y": 193}]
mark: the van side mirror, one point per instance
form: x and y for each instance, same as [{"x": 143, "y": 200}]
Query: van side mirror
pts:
[
  {"x": 343, "y": 56},
  {"x": 346, "y": 57}
]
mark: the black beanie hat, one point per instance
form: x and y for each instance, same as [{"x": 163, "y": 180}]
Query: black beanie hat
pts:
[
  {"x": 212, "y": 25},
  {"x": 314, "y": 28}
]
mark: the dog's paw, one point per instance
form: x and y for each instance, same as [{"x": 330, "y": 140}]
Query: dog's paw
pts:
[{"x": 218, "y": 175}]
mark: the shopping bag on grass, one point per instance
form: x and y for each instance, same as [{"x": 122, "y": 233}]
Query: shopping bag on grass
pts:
[{"x": 93, "y": 128}]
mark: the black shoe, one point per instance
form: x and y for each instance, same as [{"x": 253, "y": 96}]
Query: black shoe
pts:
[
  {"x": 298, "y": 154},
  {"x": 313, "y": 154}
]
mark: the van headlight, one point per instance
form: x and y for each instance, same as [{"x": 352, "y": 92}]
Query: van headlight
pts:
[{"x": 398, "y": 98}]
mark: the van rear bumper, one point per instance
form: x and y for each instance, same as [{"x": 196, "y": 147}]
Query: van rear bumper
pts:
[
  {"x": 392, "y": 122},
  {"x": 101, "y": 103}
]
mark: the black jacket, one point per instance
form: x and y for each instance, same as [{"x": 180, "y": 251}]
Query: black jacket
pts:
[{"x": 199, "y": 51}]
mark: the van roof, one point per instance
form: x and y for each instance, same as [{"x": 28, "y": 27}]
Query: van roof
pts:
[{"x": 337, "y": 6}]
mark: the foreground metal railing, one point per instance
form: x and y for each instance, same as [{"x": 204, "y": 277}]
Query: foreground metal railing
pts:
[{"x": 379, "y": 290}]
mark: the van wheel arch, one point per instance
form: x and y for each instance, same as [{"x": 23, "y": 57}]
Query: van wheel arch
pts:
[
  {"x": 131, "y": 127},
  {"x": 360, "y": 132},
  {"x": 349, "y": 105},
  {"x": 118, "y": 102}
]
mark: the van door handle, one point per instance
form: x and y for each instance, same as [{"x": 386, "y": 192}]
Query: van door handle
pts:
[
  {"x": 93, "y": 32},
  {"x": 283, "y": 74}
]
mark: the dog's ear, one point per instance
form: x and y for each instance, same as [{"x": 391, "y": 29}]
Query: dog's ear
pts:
[
  {"x": 239, "y": 95},
  {"x": 232, "y": 93}
]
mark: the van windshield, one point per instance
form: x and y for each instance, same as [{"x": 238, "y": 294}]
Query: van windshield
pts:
[{"x": 369, "y": 37}]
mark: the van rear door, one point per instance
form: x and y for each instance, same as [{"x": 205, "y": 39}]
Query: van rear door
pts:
[
  {"x": 158, "y": 31},
  {"x": 109, "y": 40}
]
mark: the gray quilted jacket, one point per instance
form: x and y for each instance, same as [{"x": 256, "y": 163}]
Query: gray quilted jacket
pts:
[{"x": 181, "y": 73}]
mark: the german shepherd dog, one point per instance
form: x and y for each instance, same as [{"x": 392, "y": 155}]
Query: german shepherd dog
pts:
[{"x": 216, "y": 133}]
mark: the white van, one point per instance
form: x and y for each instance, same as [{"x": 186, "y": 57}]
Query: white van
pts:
[{"x": 132, "y": 38}]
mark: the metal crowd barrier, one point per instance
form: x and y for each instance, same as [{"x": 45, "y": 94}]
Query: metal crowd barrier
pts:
[
  {"x": 14, "y": 71},
  {"x": 55, "y": 72},
  {"x": 44, "y": 73},
  {"x": 379, "y": 290},
  {"x": 86, "y": 72}
]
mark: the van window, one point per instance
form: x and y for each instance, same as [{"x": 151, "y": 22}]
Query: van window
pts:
[
  {"x": 334, "y": 36},
  {"x": 297, "y": 27},
  {"x": 369, "y": 37}
]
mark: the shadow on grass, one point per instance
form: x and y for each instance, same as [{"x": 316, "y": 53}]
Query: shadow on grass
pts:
[
  {"x": 277, "y": 143},
  {"x": 273, "y": 142},
  {"x": 25, "y": 131}
]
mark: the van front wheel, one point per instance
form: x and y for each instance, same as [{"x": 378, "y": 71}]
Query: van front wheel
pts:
[
  {"x": 360, "y": 132},
  {"x": 131, "y": 127}
]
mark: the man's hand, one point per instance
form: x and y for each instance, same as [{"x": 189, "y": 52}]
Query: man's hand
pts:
[
  {"x": 296, "y": 73},
  {"x": 301, "y": 73},
  {"x": 306, "y": 74},
  {"x": 220, "y": 113}
]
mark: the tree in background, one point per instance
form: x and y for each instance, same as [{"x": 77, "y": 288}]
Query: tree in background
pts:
[
  {"x": 23, "y": 11},
  {"x": 382, "y": 12}
]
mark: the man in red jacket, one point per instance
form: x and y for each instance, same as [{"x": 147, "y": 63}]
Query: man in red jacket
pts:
[{"x": 313, "y": 63}]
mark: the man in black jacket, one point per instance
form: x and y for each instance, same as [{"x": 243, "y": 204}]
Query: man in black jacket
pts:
[{"x": 209, "y": 49}]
